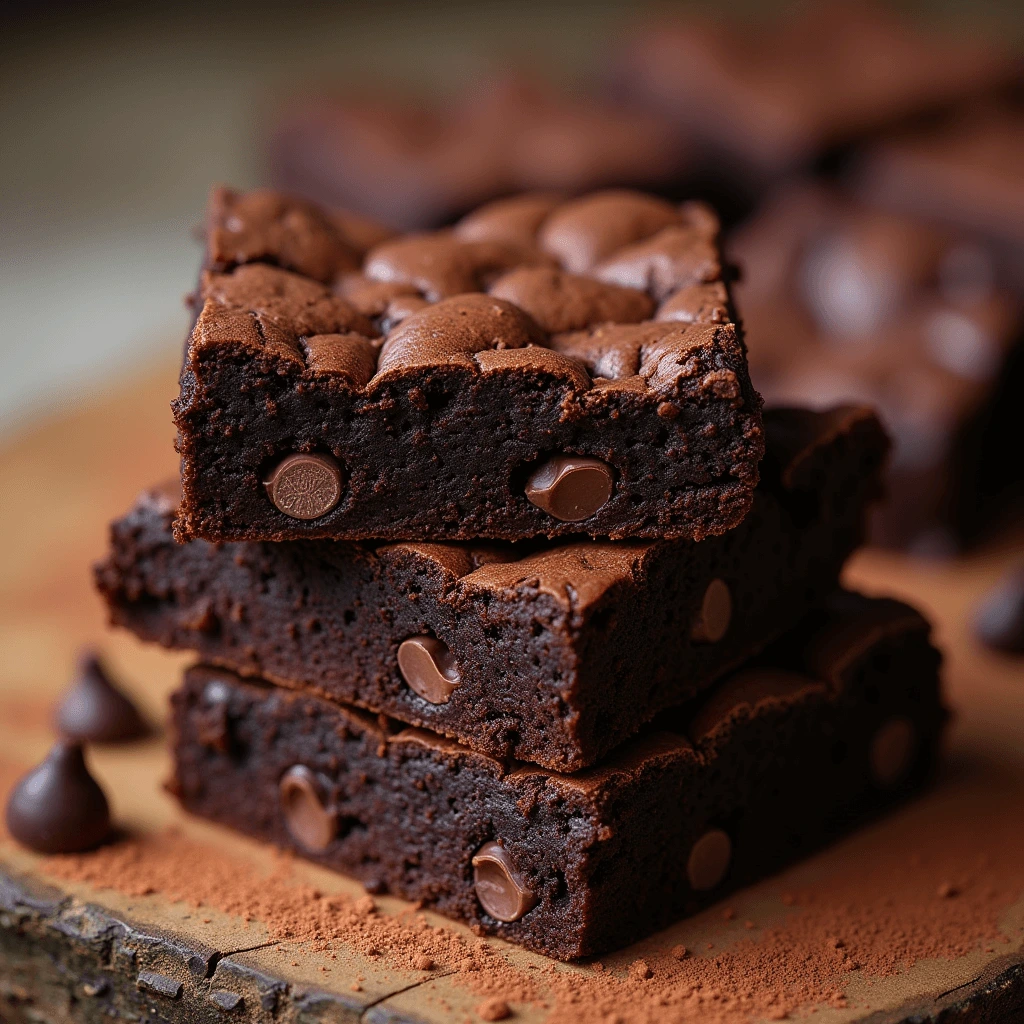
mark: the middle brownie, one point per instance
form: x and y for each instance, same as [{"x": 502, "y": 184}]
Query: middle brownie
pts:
[{"x": 549, "y": 654}]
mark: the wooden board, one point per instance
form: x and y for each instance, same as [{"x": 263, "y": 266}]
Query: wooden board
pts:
[{"x": 69, "y": 950}]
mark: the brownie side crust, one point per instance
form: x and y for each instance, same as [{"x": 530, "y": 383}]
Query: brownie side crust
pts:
[
  {"x": 560, "y": 652},
  {"x": 842, "y": 718},
  {"x": 598, "y": 329}
]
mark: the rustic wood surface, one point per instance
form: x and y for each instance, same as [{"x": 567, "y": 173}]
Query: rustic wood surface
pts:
[{"x": 72, "y": 952}]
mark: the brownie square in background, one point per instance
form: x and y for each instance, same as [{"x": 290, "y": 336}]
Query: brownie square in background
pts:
[
  {"x": 416, "y": 164},
  {"x": 761, "y": 98},
  {"x": 965, "y": 174},
  {"x": 844, "y": 301}
]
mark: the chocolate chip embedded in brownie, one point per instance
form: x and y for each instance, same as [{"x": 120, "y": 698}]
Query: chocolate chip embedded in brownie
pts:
[
  {"x": 418, "y": 165},
  {"x": 838, "y": 722},
  {"x": 552, "y": 654},
  {"x": 434, "y": 386}
]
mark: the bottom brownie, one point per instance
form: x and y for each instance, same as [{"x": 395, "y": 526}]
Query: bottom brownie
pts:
[{"x": 838, "y": 720}]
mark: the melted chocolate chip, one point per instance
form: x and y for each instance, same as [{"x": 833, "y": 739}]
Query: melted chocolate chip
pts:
[
  {"x": 1000, "y": 620},
  {"x": 892, "y": 751},
  {"x": 94, "y": 709},
  {"x": 715, "y": 614},
  {"x": 310, "y": 822},
  {"x": 305, "y": 485},
  {"x": 709, "y": 860},
  {"x": 58, "y": 807},
  {"x": 501, "y": 892},
  {"x": 570, "y": 488},
  {"x": 429, "y": 668}
]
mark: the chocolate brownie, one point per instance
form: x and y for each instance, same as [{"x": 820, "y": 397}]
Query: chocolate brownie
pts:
[
  {"x": 845, "y": 302},
  {"x": 763, "y": 99},
  {"x": 965, "y": 174},
  {"x": 551, "y": 654},
  {"x": 418, "y": 164},
  {"x": 543, "y": 368},
  {"x": 840, "y": 719}
]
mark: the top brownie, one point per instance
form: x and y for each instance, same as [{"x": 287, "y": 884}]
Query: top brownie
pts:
[{"x": 544, "y": 368}]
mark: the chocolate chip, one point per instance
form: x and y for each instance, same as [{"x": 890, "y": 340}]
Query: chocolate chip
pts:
[
  {"x": 305, "y": 485},
  {"x": 892, "y": 751},
  {"x": 429, "y": 668},
  {"x": 94, "y": 709},
  {"x": 709, "y": 860},
  {"x": 715, "y": 614},
  {"x": 58, "y": 807},
  {"x": 500, "y": 891},
  {"x": 310, "y": 822},
  {"x": 999, "y": 622},
  {"x": 570, "y": 487}
]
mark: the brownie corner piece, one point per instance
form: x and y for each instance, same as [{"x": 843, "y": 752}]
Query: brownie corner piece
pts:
[{"x": 541, "y": 369}]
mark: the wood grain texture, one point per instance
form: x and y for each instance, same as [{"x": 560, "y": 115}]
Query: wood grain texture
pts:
[{"x": 69, "y": 951}]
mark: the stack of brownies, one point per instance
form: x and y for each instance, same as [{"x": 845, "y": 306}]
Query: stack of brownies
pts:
[{"x": 507, "y": 598}]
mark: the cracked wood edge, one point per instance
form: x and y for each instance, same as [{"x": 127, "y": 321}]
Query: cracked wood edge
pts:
[{"x": 64, "y": 959}]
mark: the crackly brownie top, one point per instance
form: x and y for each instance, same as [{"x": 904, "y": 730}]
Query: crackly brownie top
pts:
[
  {"x": 617, "y": 289},
  {"x": 577, "y": 575}
]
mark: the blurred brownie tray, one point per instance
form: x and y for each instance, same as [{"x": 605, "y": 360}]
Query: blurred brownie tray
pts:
[
  {"x": 552, "y": 654},
  {"x": 766, "y": 96},
  {"x": 838, "y": 721},
  {"x": 542, "y": 369},
  {"x": 419, "y": 165}
]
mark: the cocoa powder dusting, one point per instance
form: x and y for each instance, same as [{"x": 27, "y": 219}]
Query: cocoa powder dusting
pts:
[
  {"x": 931, "y": 883},
  {"x": 185, "y": 871}
]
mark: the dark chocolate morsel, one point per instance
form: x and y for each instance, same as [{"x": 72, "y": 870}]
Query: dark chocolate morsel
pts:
[
  {"x": 58, "y": 807},
  {"x": 310, "y": 822},
  {"x": 499, "y": 889},
  {"x": 305, "y": 485},
  {"x": 715, "y": 614},
  {"x": 570, "y": 487},
  {"x": 709, "y": 860},
  {"x": 999, "y": 622},
  {"x": 429, "y": 668},
  {"x": 95, "y": 710},
  {"x": 892, "y": 751}
]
